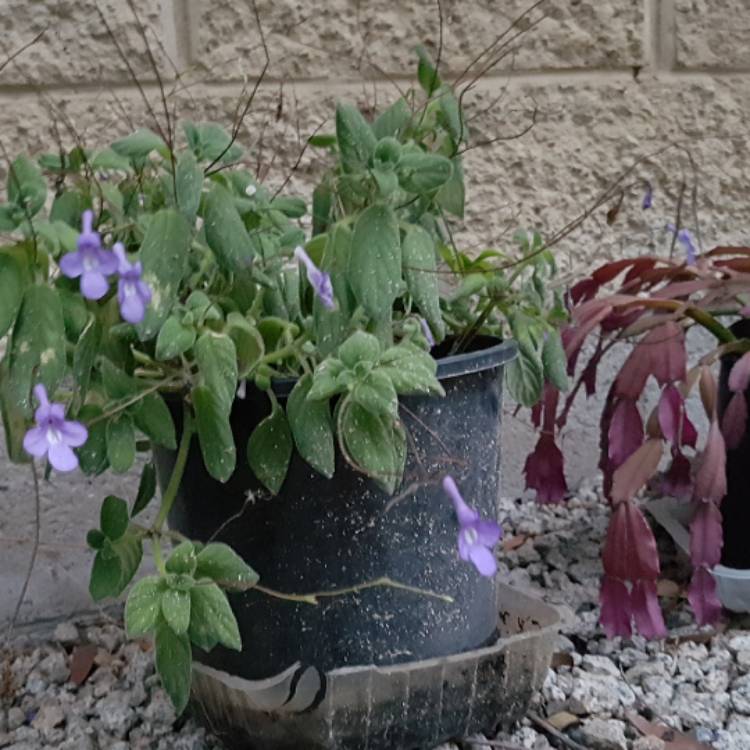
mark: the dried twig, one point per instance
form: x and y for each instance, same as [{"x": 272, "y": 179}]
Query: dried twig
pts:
[
  {"x": 22, "y": 49},
  {"x": 547, "y": 728}
]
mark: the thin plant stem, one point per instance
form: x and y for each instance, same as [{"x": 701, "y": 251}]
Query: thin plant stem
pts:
[{"x": 170, "y": 493}]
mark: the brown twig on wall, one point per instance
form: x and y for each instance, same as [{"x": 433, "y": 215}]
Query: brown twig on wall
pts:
[{"x": 21, "y": 50}]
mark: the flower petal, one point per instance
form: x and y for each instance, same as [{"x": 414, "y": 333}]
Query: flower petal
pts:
[
  {"x": 463, "y": 546},
  {"x": 62, "y": 457},
  {"x": 71, "y": 265},
  {"x": 489, "y": 533},
  {"x": 35, "y": 442},
  {"x": 464, "y": 513},
  {"x": 483, "y": 559},
  {"x": 74, "y": 433},
  {"x": 93, "y": 285},
  {"x": 132, "y": 308}
]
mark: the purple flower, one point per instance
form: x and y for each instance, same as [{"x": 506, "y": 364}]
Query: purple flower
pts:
[
  {"x": 54, "y": 436},
  {"x": 427, "y": 332},
  {"x": 476, "y": 537},
  {"x": 91, "y": 261},
  {"x": 648, "y": 197},
  {"x": 686, "y": 239},
  {"x": 133, "y": 294},
  {"x": 319, "y": 280}
]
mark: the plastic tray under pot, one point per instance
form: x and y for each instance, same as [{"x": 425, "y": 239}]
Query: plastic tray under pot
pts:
[
  {"x": 407, "y": 706},
  {"x": 732, "y": 584}
]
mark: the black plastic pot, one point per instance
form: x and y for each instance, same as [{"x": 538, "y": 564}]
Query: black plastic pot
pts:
[
  {"x": 321, "y": 535},
  {"x": 735, "y": 508}
]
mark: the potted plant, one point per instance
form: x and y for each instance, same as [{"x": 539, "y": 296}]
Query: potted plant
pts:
[
  {"x": 651, "y": 302},
  {"x": 321, "y": 409}
]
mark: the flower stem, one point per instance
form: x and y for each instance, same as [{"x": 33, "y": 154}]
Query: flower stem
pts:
[
  {"x": 158, "y": 559},
  {"x": 168, "y": 498}
]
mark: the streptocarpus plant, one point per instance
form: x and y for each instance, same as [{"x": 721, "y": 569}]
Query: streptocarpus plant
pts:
[
  {"x": 651, "y": 302},
  {"x": 158, "y": 277}
]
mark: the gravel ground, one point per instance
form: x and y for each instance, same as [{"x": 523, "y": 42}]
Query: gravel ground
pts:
[{"x": 696, "y": 682}]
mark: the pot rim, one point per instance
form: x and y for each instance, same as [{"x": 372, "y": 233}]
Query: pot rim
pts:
[{"x": 453, "y": 366}]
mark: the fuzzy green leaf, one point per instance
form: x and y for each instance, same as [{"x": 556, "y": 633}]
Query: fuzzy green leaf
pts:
[
  {"x": 269, "y": 449},
  {"x": 212, "y": 620},
  {"x": 27, "y": 187},
  {"x": 174, "y": 339},
  {"x": 143, "y": 606},
  {"x": 310, "y": 422},
  {"x": 225, "y": 231},
  {"x": 216, "y": 356},
  {"x": 189, "y": 181},
  {"x": 420, "y": 271},
  {"x": 175, "y": 608},
  {"x": 525, "y": 376},
  {"x": 146, "y": 489},
  {"x": 139, "y": 145},
  {"x": 214, "y": 434},
  {"x": 174, "y": 664},
  {"x": 222, "y": 564},
  {"x": 153, "y": 418},
  {"x": 121, "y": 443},
  {"x": 554, "y": 360},
  {"x": 183, "y": 559},
  {"x": 422, "y": 172},
  {"x": 114, "y": 518},
  {"x": 11, "y": 292},
  {"x": 355, "y": 137}
]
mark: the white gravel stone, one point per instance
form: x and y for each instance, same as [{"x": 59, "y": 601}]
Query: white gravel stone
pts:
[
  {"x": 700, "y": 709},
  {"x": 649, "y": 743},
  {"x": 601, "y": 734},
  {"x": 66, "y": 633},
  {"x": 598, "y": 694}
]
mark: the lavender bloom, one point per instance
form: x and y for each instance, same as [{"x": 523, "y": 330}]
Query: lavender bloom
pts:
[
  {"x": 133, "y": 294},
  {"x": 686, "y": 239},
  {"x": 54, "y": 436},
  {"x": 427, "y": 332},
  {"x": 319, "y": 280},
  {"x": 648, "y": 197},
  {"x": 476, "y": 537},
  {"x": 91, "y": 261}
]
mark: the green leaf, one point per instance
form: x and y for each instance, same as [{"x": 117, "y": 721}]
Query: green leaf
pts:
[
  {"x": 175, "y": 608},
  {"x": 84, "y": 356},
  {"x": 450, "y": 109},
  {"x": 322, "y": 140},
  {"x": 393, "y": 120},
  {"x": 146, "y": 489},
  {"x": 216, "y": 356},
  {"x": 427, "y": 73},
  {"x": 164, "y": 255},
  {"x": 451, "y": 195},
  {"x": 359, "y": 347},
  {"x": 173, "y": 663},
  {"x": 143, "y": 606},
  {"x": 109, "y": 159},
  {"x": 374, "y": 271},
  {"x": 114, "y": 518},
  {"x": 189, "y": 181},
  {"x": 92, "y": 455},
  {"x": 554, "y": 360},
  {"x": 525, "y": 376},
  {"x": 11, "y": 292},
  {"x": 422, "y": 173},
  {"x": 225, "y": 231},
  {"x": 129, "y": 550},
  {"x": 9, "y": 218},
  {"x": 212, "y": 620},
  {"x": 117, "y": 383},
  {"x": 153, "y": 418},
  {"x": 95, "y": 539},
  {"x": 222, "y": 564},
  {"x": 183, "y": 559},
  {"x": 420, "y": 271},
  {"x": 106, "y": 574},
  {"x": 68, "y": 207},
  {"x": 139, "y": 145},
  {"x": 27, "y": 187},
  {"x": 411, "y": 370},
  {"x": 209, "y": 140},
  {"x": 174, "y": 339},
  {"x": 248, "y": 343},
  {"x": 214, "y": 434},
  {"x": 120, "y": 443},
  {"x": 377, "y": 394},
  {"x": 13, "y": 417},
  {"x": 322, "y": 202},
  {"x": 294, "y": 208},
  {"x": 326, "y": 380},
  {"x": 355, "y": 137},
  {"x": 310, "y": 423},
  {"x": 269, "y": 449},
  {"x": 375, "y": 444},
  {"x": 37, "y": 344}
]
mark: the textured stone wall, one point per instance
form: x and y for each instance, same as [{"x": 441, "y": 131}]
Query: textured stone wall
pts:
[{"x": 662, "y": 84}]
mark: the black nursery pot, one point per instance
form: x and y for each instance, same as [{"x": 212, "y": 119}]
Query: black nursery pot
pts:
[
  {"x": 321, "y": 535},
  {"x": 735, "y": 508}
]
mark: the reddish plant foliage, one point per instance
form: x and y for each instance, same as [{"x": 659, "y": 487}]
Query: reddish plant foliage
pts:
[{"x": 650, "y": 303}]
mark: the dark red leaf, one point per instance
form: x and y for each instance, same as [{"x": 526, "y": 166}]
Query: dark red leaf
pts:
[
  {"x": 668, "y": 356},
  {"x": 618, "y": 320},
  {"x": 614, "y": 599},
  {"x": 583, "y": 291},
  {"x": 606, "y": 273},
  {"x": 646, "y": 610},
  {"x": 706, "y": 535},
  {"x": 634, "y": 373},
  {"x": 640, "y": 466},
  {"x": 544, "y": 471},
  {"x": 739, "y": 375},
  {"x": 711, "y": 476},
  {"x": 689, "y": 433},
  {"x": 677, "y": 481},
  {"x": 702, "y": 597},
  {"x": 536, "y": 414},
  {"x": 734, "y": 420},
  {"x": 625, "y": 432},
  {"x": 640, "y": 265},
  {"x": 81, "y": 662},
  {"x": 630, "y": 552}
]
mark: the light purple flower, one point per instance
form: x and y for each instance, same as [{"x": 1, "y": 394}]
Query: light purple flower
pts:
[
  {"x": 91, "y": 261},
  {"x": 686, "y": 239},
  {"x": 133, "y": 294},
  {"x": 476, "y": 537},
  {"x": 648, "y": 197},
  {"x": 54, "y": 436},
  {"x": 319, "y": 280},
  {"x": 427, "y": 332}
]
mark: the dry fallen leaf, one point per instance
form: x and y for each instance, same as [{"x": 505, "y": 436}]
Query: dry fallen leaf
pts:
[
  {"x": 81, "y": 662},
  {"x": 561, "y": 659},
  {"x": 673, "y": 740},
  {"x": 514, "y": 542},
  {"x": 562, "y": 720}
]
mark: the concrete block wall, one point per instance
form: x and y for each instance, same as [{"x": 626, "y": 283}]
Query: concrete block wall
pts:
[{"x": 613, "y": 83}]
